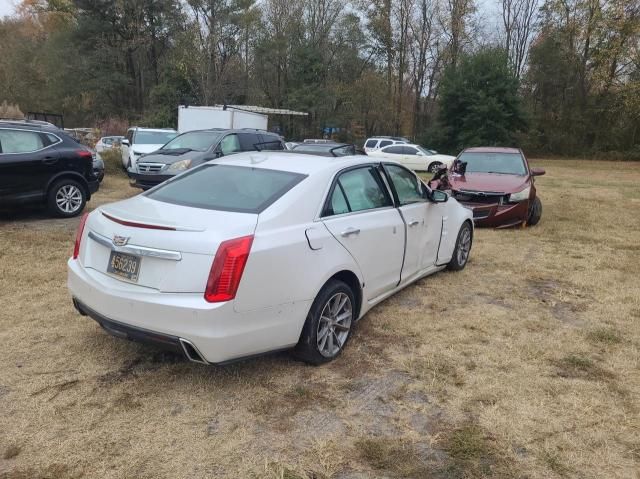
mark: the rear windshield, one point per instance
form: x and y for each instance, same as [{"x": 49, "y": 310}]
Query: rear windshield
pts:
[
  {"x": 227, "y": 188},
  {"x": 501, "y": 163}
]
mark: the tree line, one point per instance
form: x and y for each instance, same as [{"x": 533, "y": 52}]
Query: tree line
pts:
[{"x": 551, "y": 76}]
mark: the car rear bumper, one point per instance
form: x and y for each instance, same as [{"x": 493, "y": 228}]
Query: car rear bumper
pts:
[
  {"x": 145, "y": 182},
  {"x": 216, "y": 331},
  {"x": 498, "y": 215}
]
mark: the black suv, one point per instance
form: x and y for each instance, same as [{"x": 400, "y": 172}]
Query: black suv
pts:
[
  {"x": 193, "y": 148},
  {"x": 41, "y": 164}
]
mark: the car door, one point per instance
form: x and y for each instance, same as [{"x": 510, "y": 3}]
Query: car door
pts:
[
  {"x": 359, "y": 213},
  {"x": 412, "y": 159},
  {"x": 422, "y": 220},
  {"x": 26, "y": 160}
]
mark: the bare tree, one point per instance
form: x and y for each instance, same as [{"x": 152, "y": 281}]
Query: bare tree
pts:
[{"x": 519, "y": 21}]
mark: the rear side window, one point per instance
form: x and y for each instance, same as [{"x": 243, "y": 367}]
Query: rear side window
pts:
[
  {"x": 361, "y": 189},
  {"x": 227, "y": 188},
  {"x": 270, "y": 142},
  {"x": 248, "y": 140},
  {"x": 396, "y": 150},
  {"x": 19, "y": 141},
  {"x": 371, "y": 143}
]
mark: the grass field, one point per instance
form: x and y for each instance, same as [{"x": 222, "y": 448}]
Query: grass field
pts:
[{"x": 525, "y": 364}]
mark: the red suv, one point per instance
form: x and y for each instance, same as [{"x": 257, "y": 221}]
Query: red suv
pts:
[{"x": 498, "y": 185}]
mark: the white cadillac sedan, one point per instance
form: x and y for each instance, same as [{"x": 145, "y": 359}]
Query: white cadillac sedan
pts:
[{"x": 258, "y": 252}]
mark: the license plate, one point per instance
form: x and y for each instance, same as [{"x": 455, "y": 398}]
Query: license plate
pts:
[{"x": 126, "y": 266}]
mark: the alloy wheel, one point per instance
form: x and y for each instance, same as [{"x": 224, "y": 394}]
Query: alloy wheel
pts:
[
  {"x": 334, "y": 325},
  {"x": 464, "y": 246},
  {"x": 69, "y": 199}
]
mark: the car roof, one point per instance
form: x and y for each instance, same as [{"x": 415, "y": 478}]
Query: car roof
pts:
[
  {"x": 30, "y": 125},
  {"x": 163, "y": 130},
  {"x": 294, "y": 162},
  {"x": 491, "y": 149}
]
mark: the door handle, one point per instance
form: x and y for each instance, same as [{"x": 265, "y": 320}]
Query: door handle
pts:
[
  {"x": 350, "y": 231},
  {"x": 49, "y": 160},
  {"x": 414, "y": 223}
]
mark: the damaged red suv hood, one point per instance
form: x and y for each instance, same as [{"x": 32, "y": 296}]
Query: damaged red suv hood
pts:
[{"x": 488, "y": 182}]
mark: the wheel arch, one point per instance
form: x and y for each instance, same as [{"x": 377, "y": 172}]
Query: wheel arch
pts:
[
  {"x": 69, "y": 175},
  {"x": 350, "y": 279}
]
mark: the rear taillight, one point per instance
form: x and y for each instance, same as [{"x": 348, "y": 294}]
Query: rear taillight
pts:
[
  {"x": 226, "y": 270},
  {"x": 76, "y": 246},
  {"x": 86, "y": 154}
]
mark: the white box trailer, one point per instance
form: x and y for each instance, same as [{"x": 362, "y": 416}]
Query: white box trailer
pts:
[{"x": 203, "y": 117}]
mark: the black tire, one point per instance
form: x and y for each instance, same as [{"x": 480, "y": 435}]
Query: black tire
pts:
[
  {"x": 464, "y": 241},
  {"x": 433, "y": 167},
  {"x": 309, "y": 348},
  {"x": 535, "y": 212},
  {"x": 66, "y": 198}
]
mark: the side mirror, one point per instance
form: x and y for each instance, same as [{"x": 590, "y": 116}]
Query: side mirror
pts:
[
  {"x": 537, "y": 171},
  {"x": 438, "y": 196},
  {"x": 125, "y": 142}
]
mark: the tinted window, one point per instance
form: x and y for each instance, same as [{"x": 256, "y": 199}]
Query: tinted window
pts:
[
  {"x": 371, "y": 143},
  {"x": 193, "y": 140},
  {"x": 407, "y": 186},
  {"x": 363, "y": 189},
  {"x": 130, "y": 136},
  {"x": 395, "y": 150},
  {"x": 409, "y": 150},
  {"x": 270, "y": 142},
  {"x": 384, "y": 143},
  {"x": 153, "y": 137},
  {"x": 18, "y": 141},
  {"x": 52, "y": 139},
  {"x": 502, "y": 163},
  {"x": 249, "y": 141},
  {"x": 227, "y": 188},
  {"x": 230, "y": 144}
]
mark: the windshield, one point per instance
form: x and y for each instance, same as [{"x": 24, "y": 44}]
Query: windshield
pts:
[
  {"x": 153, "y": 137},
  {"x": 194, "y": 140},
  {"x": 240, "y": 189},
  {"x": 502, "y": 163}
]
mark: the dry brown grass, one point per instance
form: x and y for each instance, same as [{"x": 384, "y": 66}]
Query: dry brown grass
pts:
[{"x": 525, "y": 364}]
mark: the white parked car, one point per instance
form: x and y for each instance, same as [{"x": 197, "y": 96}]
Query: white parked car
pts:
[
  {"x": 377, "y": 142},
  {"x": 140, "y": 141},
  {"x": 415, "y": 157},
  {"x": 108, "y": 142},
  {"x": 263, "y": 251}
]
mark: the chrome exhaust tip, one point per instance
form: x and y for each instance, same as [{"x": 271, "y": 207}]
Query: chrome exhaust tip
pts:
[{"x": 191, "y": 352}]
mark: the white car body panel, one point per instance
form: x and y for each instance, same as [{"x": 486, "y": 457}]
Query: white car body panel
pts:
[
  {"x": 295, "y": 252},
  {"x": 420, "y": 162}
]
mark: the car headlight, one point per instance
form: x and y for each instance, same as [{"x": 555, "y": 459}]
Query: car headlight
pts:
[
  {"x": 137, "y": 153},
  {"x": 520, "y": 195},
  {"x": 179, "y": 166}
]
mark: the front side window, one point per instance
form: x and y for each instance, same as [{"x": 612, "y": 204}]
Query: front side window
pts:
[
  {"x": 407, "y": 186},
  {"x": 19, "y": 141},
  {"x": 409, "y": 150},
  {"x": 362, "y": 189},
  {"x": 384, "y": 143},
  {"x": 230, "y": 144},
  {"x": 371, "y": 143},
  {"x": 193, "y": 140},
  {"x": 227, "y": 188}
]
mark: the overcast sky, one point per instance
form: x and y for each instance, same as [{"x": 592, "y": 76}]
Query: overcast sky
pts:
[{"x": 6, "y": 7}]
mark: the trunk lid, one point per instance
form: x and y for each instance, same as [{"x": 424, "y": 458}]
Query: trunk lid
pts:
[{"x": 175, "y": 244}]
